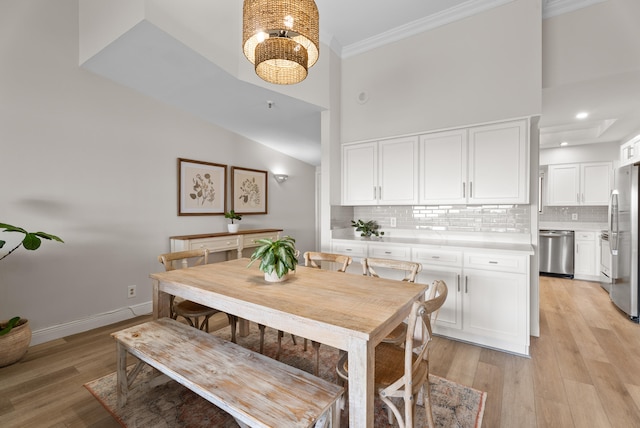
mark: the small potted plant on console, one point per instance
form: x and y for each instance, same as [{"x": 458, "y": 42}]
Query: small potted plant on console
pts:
[{"x": 233, "y": 227}]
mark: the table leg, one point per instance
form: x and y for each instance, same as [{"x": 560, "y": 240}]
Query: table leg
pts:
[
  {"x": 361, "y": 383},
  {"x": 161, "y": 302}
]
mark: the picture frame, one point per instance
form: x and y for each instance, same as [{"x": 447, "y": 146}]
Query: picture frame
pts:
[
  {"x": 201, "y": 188},
  {"x": 249, "y": 192}
]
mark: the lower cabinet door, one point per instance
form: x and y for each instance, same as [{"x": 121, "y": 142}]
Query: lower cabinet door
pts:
[
  {"x": 495, "y": 305},
  {"x": 450, "y": 315}
]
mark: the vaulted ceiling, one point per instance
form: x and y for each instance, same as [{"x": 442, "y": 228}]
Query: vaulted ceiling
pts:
[{"x": 152, "y": 62}]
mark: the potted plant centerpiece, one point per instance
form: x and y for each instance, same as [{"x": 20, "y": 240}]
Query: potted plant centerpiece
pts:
[
  {"x": 277, "y": 258},
  {"x": 15, "y": 334},
  {"x": 233, "y": 227},
  {"x": 367, "y": 228}
]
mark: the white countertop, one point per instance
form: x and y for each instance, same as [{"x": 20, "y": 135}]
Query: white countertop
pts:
[
  {"x": 446, "y": 241},
  {"x": 573, "y": 225}
]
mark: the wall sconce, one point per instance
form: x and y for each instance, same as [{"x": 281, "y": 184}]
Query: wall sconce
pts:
[{"x": 281, "y": 178}]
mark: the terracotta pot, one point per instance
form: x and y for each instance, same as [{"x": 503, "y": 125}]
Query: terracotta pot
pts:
[{"x": 14, "y": 344}]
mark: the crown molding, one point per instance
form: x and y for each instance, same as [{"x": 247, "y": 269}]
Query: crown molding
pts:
[
  {"x": 447, "y": 16},
  {"x": 551, "y": 8}
]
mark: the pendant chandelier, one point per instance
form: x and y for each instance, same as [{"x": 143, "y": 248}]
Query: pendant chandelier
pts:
[{"x": 281, "y": 38}]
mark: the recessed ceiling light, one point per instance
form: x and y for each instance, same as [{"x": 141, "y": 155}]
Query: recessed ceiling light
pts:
[
  {"x": 564, "y": 143},
  {"x": 582, "y": 115}
]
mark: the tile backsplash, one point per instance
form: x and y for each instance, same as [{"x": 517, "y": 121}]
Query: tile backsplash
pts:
[
  {"x": 459, "y": 218},
  {"x": 564, "y": 214}
]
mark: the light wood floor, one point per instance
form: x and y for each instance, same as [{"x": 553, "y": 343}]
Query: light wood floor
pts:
[{"x": 584, "y": 370}]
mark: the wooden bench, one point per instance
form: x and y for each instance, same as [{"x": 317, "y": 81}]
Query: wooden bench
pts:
[{"x": 256, "y": 390}]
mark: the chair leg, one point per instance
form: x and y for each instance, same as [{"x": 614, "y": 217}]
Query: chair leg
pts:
[
  {"x": 280, "y": 335},
  {"x": 233, "y": 321},
  {"x": 316, "y": 349},
  {"x": 261, "y": 327},
  {"x": 427, "y": 404}
]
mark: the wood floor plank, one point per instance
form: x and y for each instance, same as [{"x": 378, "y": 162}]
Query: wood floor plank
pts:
[
  {"x": 547, "y": 377},
  {"x": 552, "y": 414},
  {"x": 489, "y": 379},
  {"x": 618, "y": 403},
  {"x": 568, "y": 354},
  {"x": 518, "y": 399},
  {"x": 586, "y": 407}
]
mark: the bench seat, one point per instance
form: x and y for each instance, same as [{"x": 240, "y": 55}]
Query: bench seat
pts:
[{"x": 256, "y": 390}]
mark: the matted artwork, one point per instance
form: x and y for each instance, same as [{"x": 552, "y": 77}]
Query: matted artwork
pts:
[
  {"x": 201, "y": 188},
  {"x": 248, "y": 190}
]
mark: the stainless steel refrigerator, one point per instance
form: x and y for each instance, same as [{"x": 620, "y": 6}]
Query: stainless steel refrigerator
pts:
[{"x": 623, "y": 240}]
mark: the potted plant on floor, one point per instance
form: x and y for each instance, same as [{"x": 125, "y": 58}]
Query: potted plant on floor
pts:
[
  {"x": 233, "y": 227},
  {"x": 277, "y": 257},
  {"x": 15, "y": 334}
]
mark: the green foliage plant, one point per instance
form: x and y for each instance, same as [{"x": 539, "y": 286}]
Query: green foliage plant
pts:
[
  {"x": 233, "y": 216},
  {"x": 277, "y": 255},
  {"x": 31, "y": 241},
  {"x": 367, "y": 228}
]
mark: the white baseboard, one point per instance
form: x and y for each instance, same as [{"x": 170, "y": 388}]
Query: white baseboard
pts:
[{"x": 100, "y": 320}]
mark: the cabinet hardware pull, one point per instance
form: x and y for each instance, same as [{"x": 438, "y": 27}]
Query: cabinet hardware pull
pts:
[
  {"x": 471, "y": 189},
  {"x": 458, "y": 282},
  {"x": 435, "y": 257},
  {"x": 375, "y": 190},
  {"x": 493, "y": 262},
  {"x": 387, "y": 252},
  {"x": 464, "y": 190},
  {"x": 577, "y": 197},
  {"x": 348, "y": 249},
  {"x": 466, "y": 284}
]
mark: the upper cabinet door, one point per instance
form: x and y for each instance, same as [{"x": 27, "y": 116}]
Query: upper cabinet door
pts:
[
  {"x": 384, "y": 172},
  {"x": 596, "y": 183},
  {"x": 360, "y": 174},
  {"x": 498, "y": 163},
  {"x": 564, "y": 184},
  {"x": 398, "y": 171},
  {"x": 580, "y": 183},
  {"x": 443, "y": 167}
]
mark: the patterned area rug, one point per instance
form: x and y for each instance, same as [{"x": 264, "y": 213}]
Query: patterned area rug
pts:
[{"x": 172, "y": 405}]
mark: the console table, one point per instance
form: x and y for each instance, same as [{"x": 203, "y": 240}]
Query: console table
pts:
[{"x": 223, "y": 241}]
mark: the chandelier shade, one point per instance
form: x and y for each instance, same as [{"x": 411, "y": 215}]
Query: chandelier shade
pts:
[{"x": 281, "y": 38}]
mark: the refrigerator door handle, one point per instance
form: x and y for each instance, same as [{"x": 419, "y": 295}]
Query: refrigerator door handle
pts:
[{"x": 613, "y": 223}]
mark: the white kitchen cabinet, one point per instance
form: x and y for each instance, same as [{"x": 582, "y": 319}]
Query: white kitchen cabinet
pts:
[
  {"x": 630, "y": 151},
  {"x": 579, "y": 184},
  {"x": 586, "y": 265},
  {"x": 488, "y": 290},
  {"x": 446, "y": 266},
  {"x": 443, "y": 167},
  {"x": 498, "y": 163},
  {"x": 380, "y": 173},
  {"x": 483, "y": 164},
  {"x": 496, "y": 308}
]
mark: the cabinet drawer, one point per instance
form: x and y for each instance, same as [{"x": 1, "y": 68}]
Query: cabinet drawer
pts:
[
  {"x": 585, "y": 236},
  {"x": 497, "y": 262},
  {"x": 222, "y": 243},
  {"x": 390, "y": 252},
  {"x": 250, "y": 240},
  {"x": 352, "y": 249},
  {"x": 437, "y": 257}
]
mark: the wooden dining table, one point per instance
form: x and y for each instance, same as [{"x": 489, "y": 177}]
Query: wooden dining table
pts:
[{"x": 346, "y": 311}]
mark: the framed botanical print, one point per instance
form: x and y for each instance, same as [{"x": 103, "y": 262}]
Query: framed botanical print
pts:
[
  {"x": 248, "y": 190},
  {"x": 201, "y": 188}
]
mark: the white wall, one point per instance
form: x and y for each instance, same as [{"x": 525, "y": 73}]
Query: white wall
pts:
[
  {"x": 480, "y": 69},
  {"x": 95, "y": 163},
  {"x": 581, "y": 153}
]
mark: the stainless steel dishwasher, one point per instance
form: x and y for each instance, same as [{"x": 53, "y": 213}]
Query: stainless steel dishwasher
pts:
[{"x": 556, "y": 252}]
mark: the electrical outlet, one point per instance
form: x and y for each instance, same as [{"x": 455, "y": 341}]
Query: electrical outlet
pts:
[
  {"x": 393, "y": 222},
  {"x": 131, "y": 291},
  {"x": 574, "y": 216}
]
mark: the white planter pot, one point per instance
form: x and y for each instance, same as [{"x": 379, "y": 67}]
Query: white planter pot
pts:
[
  {"x": 273, "y": 277},
  {"x": 233, "y": 228}
]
